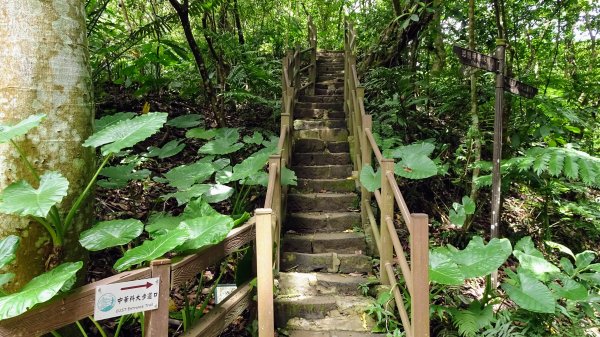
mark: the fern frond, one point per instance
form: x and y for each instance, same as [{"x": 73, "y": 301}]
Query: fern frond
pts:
[
  {"x": 556, "y": 163},
  {"x": 571, "y": 168},
  {"x": 540, "y": 164},
  {"x": 466, "y": 322}
]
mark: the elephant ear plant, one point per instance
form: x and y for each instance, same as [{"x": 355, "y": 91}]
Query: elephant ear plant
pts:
[{"x": 40, "y": 203}]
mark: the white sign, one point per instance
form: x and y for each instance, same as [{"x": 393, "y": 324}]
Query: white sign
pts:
[
  {"x": 124, "y": 298},
  {"x": 222, "y": 291}
]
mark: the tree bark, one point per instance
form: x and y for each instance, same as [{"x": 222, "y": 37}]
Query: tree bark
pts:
[
  {"x": 182, "y": 10},
  {"x": 238, "y": 23},
  {"x": 44, "y": 67},
  {"x": 439, "y": 57}
]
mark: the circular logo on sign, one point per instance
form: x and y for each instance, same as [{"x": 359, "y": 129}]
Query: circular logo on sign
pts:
[{"x": 107, "y": 302}]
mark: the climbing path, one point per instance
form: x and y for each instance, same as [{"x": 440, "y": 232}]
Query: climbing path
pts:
[{"x": 323, "y": 257}]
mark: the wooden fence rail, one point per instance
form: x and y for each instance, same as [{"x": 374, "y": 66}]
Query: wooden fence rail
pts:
[{"x": 383, "y": 234}]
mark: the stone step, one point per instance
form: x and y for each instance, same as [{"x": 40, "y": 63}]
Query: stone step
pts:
[
  {"x": 321, "y": 77},
  {"x": 312, "y": 284},
  {"x": 322, "y": 98},
  {"x": 316, "y": 307},
  {"x": 318, "y": 222},
  {"x": 325, "y": 185},
  {"x": 305, "y": 124},
  {"x": 325, "y": 262},
  {"x": 331, "y": 333},
  {"x": 324, "y": 134},
  {"x": 321, "y": 158},
  {"x": 329, "y": 67},
  {"x": 330, "y": 86},
  {"x": 300, "y": 112},
  {"x": 323, "y": 171},
  {"x": 321, "y": 202},
  {"x": 318, "y": 145},
  {"x": 334, "y": 91},
  {"x": 341, "y": 243},
  {"x": 321, "y": 105}
]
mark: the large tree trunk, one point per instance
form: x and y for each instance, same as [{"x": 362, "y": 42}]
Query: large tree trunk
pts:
[{"x": 44, "y": 68}]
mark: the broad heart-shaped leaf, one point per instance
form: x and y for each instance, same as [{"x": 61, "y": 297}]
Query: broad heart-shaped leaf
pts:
[
  {"x": 249, "y": 166},
  {"x": 112, "y": 233},
  {"x": 160, "y": 223},
  {"x": 442, "y": 270},
  {"x": 8, "y": 133},
  {"x": 185, "y": 195},
  {"x": 5, "y": 278},
  {"x": 478, "y": 259},
  {"x": 119, "y": 176},
  {"x": 225, "y": 142},
  {"x": 21, "y": 199},
  {"x": 127, "y": 133},
  {"x": 561, "y": 248},
  {"x": 152, "y": 249},
  {"x": 8, "y": 248},
  {"x": 168, "y": 150},
  {"x": 538, "y": 266},
  {"x": 206, "y": 230},
  {"x": 415, "y": 166},
  {"x": 584, "y": 259},
  {"x": 41, "y": 289},
  {"x": 201, "y": 133},
  {"x": 369, "y": 179},
  {"x": 185, "y": 121},
  {"x": 257, "y": 138},
  {"x": 198, "y": 208},
  {"x": 525, "y": 244},
  {"x": 422, "y": 149},
  {"x": 458, "y": 217},
  {"x": 530, "y": 294},
  {"x": 184, "y": 176},
  {"x": 218, "y": 193},
  {"x": 468, "y": 204},
  {"x": 569, "y": 289},
  {"x": 112, "y": 119}
]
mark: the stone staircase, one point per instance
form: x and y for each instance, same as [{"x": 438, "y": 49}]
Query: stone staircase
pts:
[{"x": 323, "y": 251}]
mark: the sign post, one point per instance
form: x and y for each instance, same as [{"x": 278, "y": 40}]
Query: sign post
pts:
[{"x": 496, "y": 65}]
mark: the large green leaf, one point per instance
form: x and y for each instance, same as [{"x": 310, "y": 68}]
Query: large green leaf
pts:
[
  {"x": 119, "y": 176},
  {"x": 5, "y": 278},
  {"x": 530, "y": 294},
  {"x": 479, "y": 259},
  {"x": 218, "y": 193},
  {"x": 8, "y": 248},
  {"x": 152, "y": 249},
  {"x": 458, "y": 216},
  {"x": 185, "y": 176},
  {"x": 250, "y": 166},
  {"x": 41, "y": 289},
  {"x": 288, "y": 177},
  {"x": 112, "y": 119},
  {"x": 185, "y": 121},
  {"x": 422, "y": 149},
  {"x": 443, "y": 270},
  {"x": 184, "y": 196},
  {"x": 569, "y": 289},
  {"x": 168, "y": 150},
  {"x": 369, "y": 179},
  {"x": 8, "y": 133},
  {"x": 415, "y": 166},
  {"x": 160, "y": 223},
  {"x": 201, "y": 133},
  {"x": 206, "y": 230},
  {"x": 537, "y": 265},
  {"x": 21, "y": 199},
  {"x": 584, "y": 259},
  {"x": 112, "y": 233},
  {"x": 127, "y": 133},
  {"x": 225, "y": 142}
]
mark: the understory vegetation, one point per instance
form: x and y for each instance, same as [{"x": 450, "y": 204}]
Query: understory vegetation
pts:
[{"x": 188, "y": 98}]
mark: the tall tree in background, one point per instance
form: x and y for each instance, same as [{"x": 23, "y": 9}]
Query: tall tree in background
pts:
[{"x": 44, "y": 68}]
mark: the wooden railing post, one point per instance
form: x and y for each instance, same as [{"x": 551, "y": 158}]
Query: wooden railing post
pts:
[
  {"x": 386, "y": 254},
  {"x": 275, "y": 161},
  {"x": 360, "y": 93},
  {"x": 156, "y": 322},
  {"x": 264, "y": 272},
  {"x": 312, "y": 42},
  {"x": 297, "y": 65},
  {"x": 366, "y": 153},
  {"x": 419, "y": 261},
  {"x": 286, "y": 150}
]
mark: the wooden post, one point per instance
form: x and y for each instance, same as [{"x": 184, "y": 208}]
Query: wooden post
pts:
[
  {"x": 264, "y": 272},
  {"x": 386, "y": 255},
  {"x": 419, "y": 261},
  {"x": 276, "y": 207},
  {"x": 360, "y": 94},
  {"x": 312, "y": 41},
  {"x": 156, "y": 322},
  {"x": 285, "y": 123},
  {"x": 297, "y": 65},
  {"x": 366, "y": 153}
]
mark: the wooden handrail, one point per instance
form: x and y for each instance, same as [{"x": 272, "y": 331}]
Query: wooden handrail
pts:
[
  {"x": 399, "y": 301},
  {"x": 400, "y": 200},
  {"x": 271, "y": 186},
  {"x": 400, "y": 255},
  {"x": 308, "y": 66},
  {"x": 306, "y": 50},
  {"x": 374, "y": 146}
]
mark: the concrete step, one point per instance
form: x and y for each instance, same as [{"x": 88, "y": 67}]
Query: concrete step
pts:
[
  {"x": 321, "y": 105},
  {"x": 325, "y": 262},
  {"x": 325, "y": 185},
  {"x": 305, "y": 124},
  {"x": 312, "y": 284},
  {"x": 330, "y": 85},
  {"x": 324, "y": 134},
  {"x": 323, "y": 171},
  {"x": 317, "y": 307},
  {"x": 341, "y": 243},
  {"x": 321, "y": 98},
  {"x": 321, "y": 158},
  {"x": 321, "y": 202},
  {"x": 323, "y": 78},
  {"x": 334, "y": 91},
  {"x": 318, "y": 145},
  {"x": 331, "y": 333},
  {"x": 329, "y": 67},
  {"x": 309, "y": 112},
  {"x": 316, "y": 222}
]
